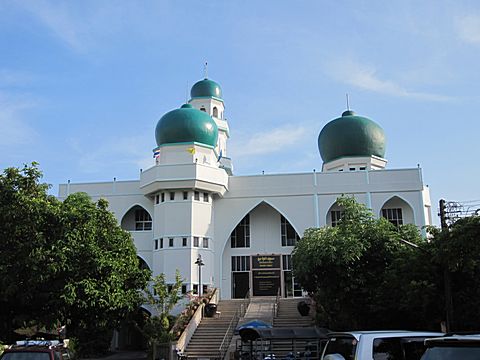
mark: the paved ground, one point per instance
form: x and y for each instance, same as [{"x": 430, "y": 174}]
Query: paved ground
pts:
[{"x": 123, "y": 355}]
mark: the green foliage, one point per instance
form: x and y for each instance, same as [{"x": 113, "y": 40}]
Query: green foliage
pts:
[
  {"x": 63, "y": 262},
  {"x": 351, "y": 269},
  {"x": 162, "y": 298}
]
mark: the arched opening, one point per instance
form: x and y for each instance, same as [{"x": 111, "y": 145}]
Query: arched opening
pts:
[
  {"x": 137, "y": 219},
  {"x": 334, "y": 215},
  {"x": 215, "y": 112},
  {"x": 129, "y": 335},
  {"x": 142, "y": 264},
  {"x": 397, "y": 211},
  {"x": 257, "y": 257}
]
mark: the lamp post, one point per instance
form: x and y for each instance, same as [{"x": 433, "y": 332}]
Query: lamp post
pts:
[{"x": 200, "y": 263}]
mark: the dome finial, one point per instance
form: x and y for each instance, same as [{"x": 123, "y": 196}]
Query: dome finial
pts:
[
  {"x": 205, "y": 70},
  {"x": 348, "y": 104}
]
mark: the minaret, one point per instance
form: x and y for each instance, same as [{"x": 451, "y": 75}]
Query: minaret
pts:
[{"x": 206, "y": 95}]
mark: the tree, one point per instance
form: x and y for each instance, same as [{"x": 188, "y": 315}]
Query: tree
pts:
[
  {"x": 352, "y": 269},
  {"x": 458, "y": 252},
  {"x": 63, "y": 262},
  {"x": 161, "y": 298}
]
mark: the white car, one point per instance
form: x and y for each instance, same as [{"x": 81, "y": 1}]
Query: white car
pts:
[
  {"x": 461, "y": 347},
  {"x": 376, "y": 345}
]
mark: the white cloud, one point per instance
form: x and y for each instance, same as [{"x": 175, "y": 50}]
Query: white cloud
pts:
[
  {"x": 124, "y": 152},
  {"x": 13, "y": 129},
  {"x": 468, "y": 28},
  {"x": 268, "y": 142},
  {"x": 366, "y": 78}
]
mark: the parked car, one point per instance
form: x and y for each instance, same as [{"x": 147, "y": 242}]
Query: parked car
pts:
[
  {"x": 456, "y": 347},
  {"x": 376, "y": 345},
  {"x": 36, "y": 350}
]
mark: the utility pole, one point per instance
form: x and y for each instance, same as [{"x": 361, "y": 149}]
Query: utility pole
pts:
[{"x": 447, "y": 279}]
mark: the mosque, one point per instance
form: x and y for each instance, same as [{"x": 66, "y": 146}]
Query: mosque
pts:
[{"x": 236, "y": 233}]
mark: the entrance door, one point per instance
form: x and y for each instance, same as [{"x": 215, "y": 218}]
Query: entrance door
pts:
[{"x": 240, "y": 284}]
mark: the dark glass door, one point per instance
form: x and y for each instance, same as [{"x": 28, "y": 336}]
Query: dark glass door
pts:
[{"x": 241, "y": 284}]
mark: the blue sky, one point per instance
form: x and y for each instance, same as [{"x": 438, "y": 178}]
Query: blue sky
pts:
[{"x": 83, "y": 83}]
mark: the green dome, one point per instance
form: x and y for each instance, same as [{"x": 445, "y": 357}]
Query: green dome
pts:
[
  {"x": 186, "y": 125},
  {"x": 206, "y": 88},
  {"x": 351, "y": 135}
]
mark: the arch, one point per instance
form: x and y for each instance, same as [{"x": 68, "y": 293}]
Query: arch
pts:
[
  {"x": 142, "y": 264},
  {"x": 332, "y": 218},
  {"x": 136, "y": 218},
  {"x": 407, "y": 212},
  {"x": 215, "y": 112}
]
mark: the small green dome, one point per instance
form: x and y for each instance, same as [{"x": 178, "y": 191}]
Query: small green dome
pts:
[
  {"x": 186, "y": 125},
  {"x": 351, "y": 135},
  {"x": 206, "y": 88}
]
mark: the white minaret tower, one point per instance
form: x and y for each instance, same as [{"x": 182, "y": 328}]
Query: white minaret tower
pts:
[{"x": 206, "y": 95}]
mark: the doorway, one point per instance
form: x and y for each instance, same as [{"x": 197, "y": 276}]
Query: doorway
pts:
[{"x": 241, "y": 284}]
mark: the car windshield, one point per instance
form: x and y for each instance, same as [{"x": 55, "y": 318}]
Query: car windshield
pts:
[
  {"x": 452, "y": 353},
  {"x": 26, "y": 355},
  {"x": 345, "y": 346}
]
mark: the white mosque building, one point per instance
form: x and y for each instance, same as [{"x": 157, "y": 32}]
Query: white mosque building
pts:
[{"x": 189, "y": 205}]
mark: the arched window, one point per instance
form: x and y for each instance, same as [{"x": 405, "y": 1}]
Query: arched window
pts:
[
  {"x": 240, "y": 236},
  {"x": 397, "y": 211},
  {"x": 215, "y": 112},
  {"x": 203, "y": 109},
  {"x": 289, "y": 235},
  {"x": 137, "y": 219},
  {"x": 334, "y": 215}
]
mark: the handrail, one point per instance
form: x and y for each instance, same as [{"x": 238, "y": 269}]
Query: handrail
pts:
[
  {"x": 229, "y": 332},
  {"x": 275, "y": 305}
]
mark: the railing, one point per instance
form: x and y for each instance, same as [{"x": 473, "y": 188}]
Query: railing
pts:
[
  {"x": 275, "y": 305},
  {"x": 222, "y": 351}
]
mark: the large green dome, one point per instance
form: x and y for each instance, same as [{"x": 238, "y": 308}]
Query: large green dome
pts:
[
  {"x": 351, "y": 135},
  {"x": 206, "y": 88},
  {"x": 186, "y": 125}
]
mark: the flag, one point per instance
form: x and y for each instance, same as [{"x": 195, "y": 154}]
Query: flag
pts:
[
  {"x": 191, "y": 150},
  {"x": 219, "y": 156},
  {"x": 156, "y": 153}
]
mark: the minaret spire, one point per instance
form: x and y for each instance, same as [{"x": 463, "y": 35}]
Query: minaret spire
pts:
[{"x": 348, "y": 103}]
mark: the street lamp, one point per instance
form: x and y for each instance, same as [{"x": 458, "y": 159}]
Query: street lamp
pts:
[{"x": 200, "y": 263}]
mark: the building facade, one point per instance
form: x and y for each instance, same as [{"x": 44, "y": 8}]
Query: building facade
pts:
[{"x": 190, "y": 212}]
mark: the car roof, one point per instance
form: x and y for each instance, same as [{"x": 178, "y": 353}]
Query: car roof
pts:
[
  {"x": 454, "y": 339},
  {"x": 383, "y": 333}
]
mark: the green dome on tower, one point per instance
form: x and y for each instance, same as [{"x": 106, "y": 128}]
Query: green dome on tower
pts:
[
  {"x": 350, "y": 136},
  {"x": 206, "y": 88},
  {"x": 186, "y": 125}
]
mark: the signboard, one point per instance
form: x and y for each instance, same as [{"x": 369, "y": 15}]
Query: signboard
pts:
[
  {"x": 266, "y": 282},
  {"x": 266, "y": 262}
]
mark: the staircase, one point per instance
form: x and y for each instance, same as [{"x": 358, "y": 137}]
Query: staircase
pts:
[
  {"x": 207, "y": 339},
  {"x": 288, "y": 315}
]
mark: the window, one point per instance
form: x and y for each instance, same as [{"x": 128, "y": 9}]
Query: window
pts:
[
  {"x": 205, "y": 197},
  {"x": 172, "y": 195},
  {"x": 240, "y": 237},
  {"x": 289, "y": 235},
  {"x": 196, "y": 195},
  {"x": 204, "y": 289},
  {"x": 143, "y": 221},
  {"x": 203, "y": 109},
  {"x": 240, "y": 263},
  {"x": 393, "y": 215},
  {"x": 195, "y": 288},
  {"x": 184, "y": 289},
  {"x": 185, "y": 195},
  {"x": 205, "y": 242},
  {"x": 336, "y": 216},
  {"x": 184, "y": 241},
  {"x": 287, "y": 262},
  {"x": 155, "y": 244},
  {"x": 163, "y": 197},
  {"x": 196, "y": 241},
  {"x": 157, "y": 199},
  {"x": 352, "y": 169},
  {"x": 169, "y": 288},
  {"x": 170, "y": 242},
  {"x": 161, "y": 243},
  {"x": 215, "y": 112},
  {"x": 363, "y": 168}
]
